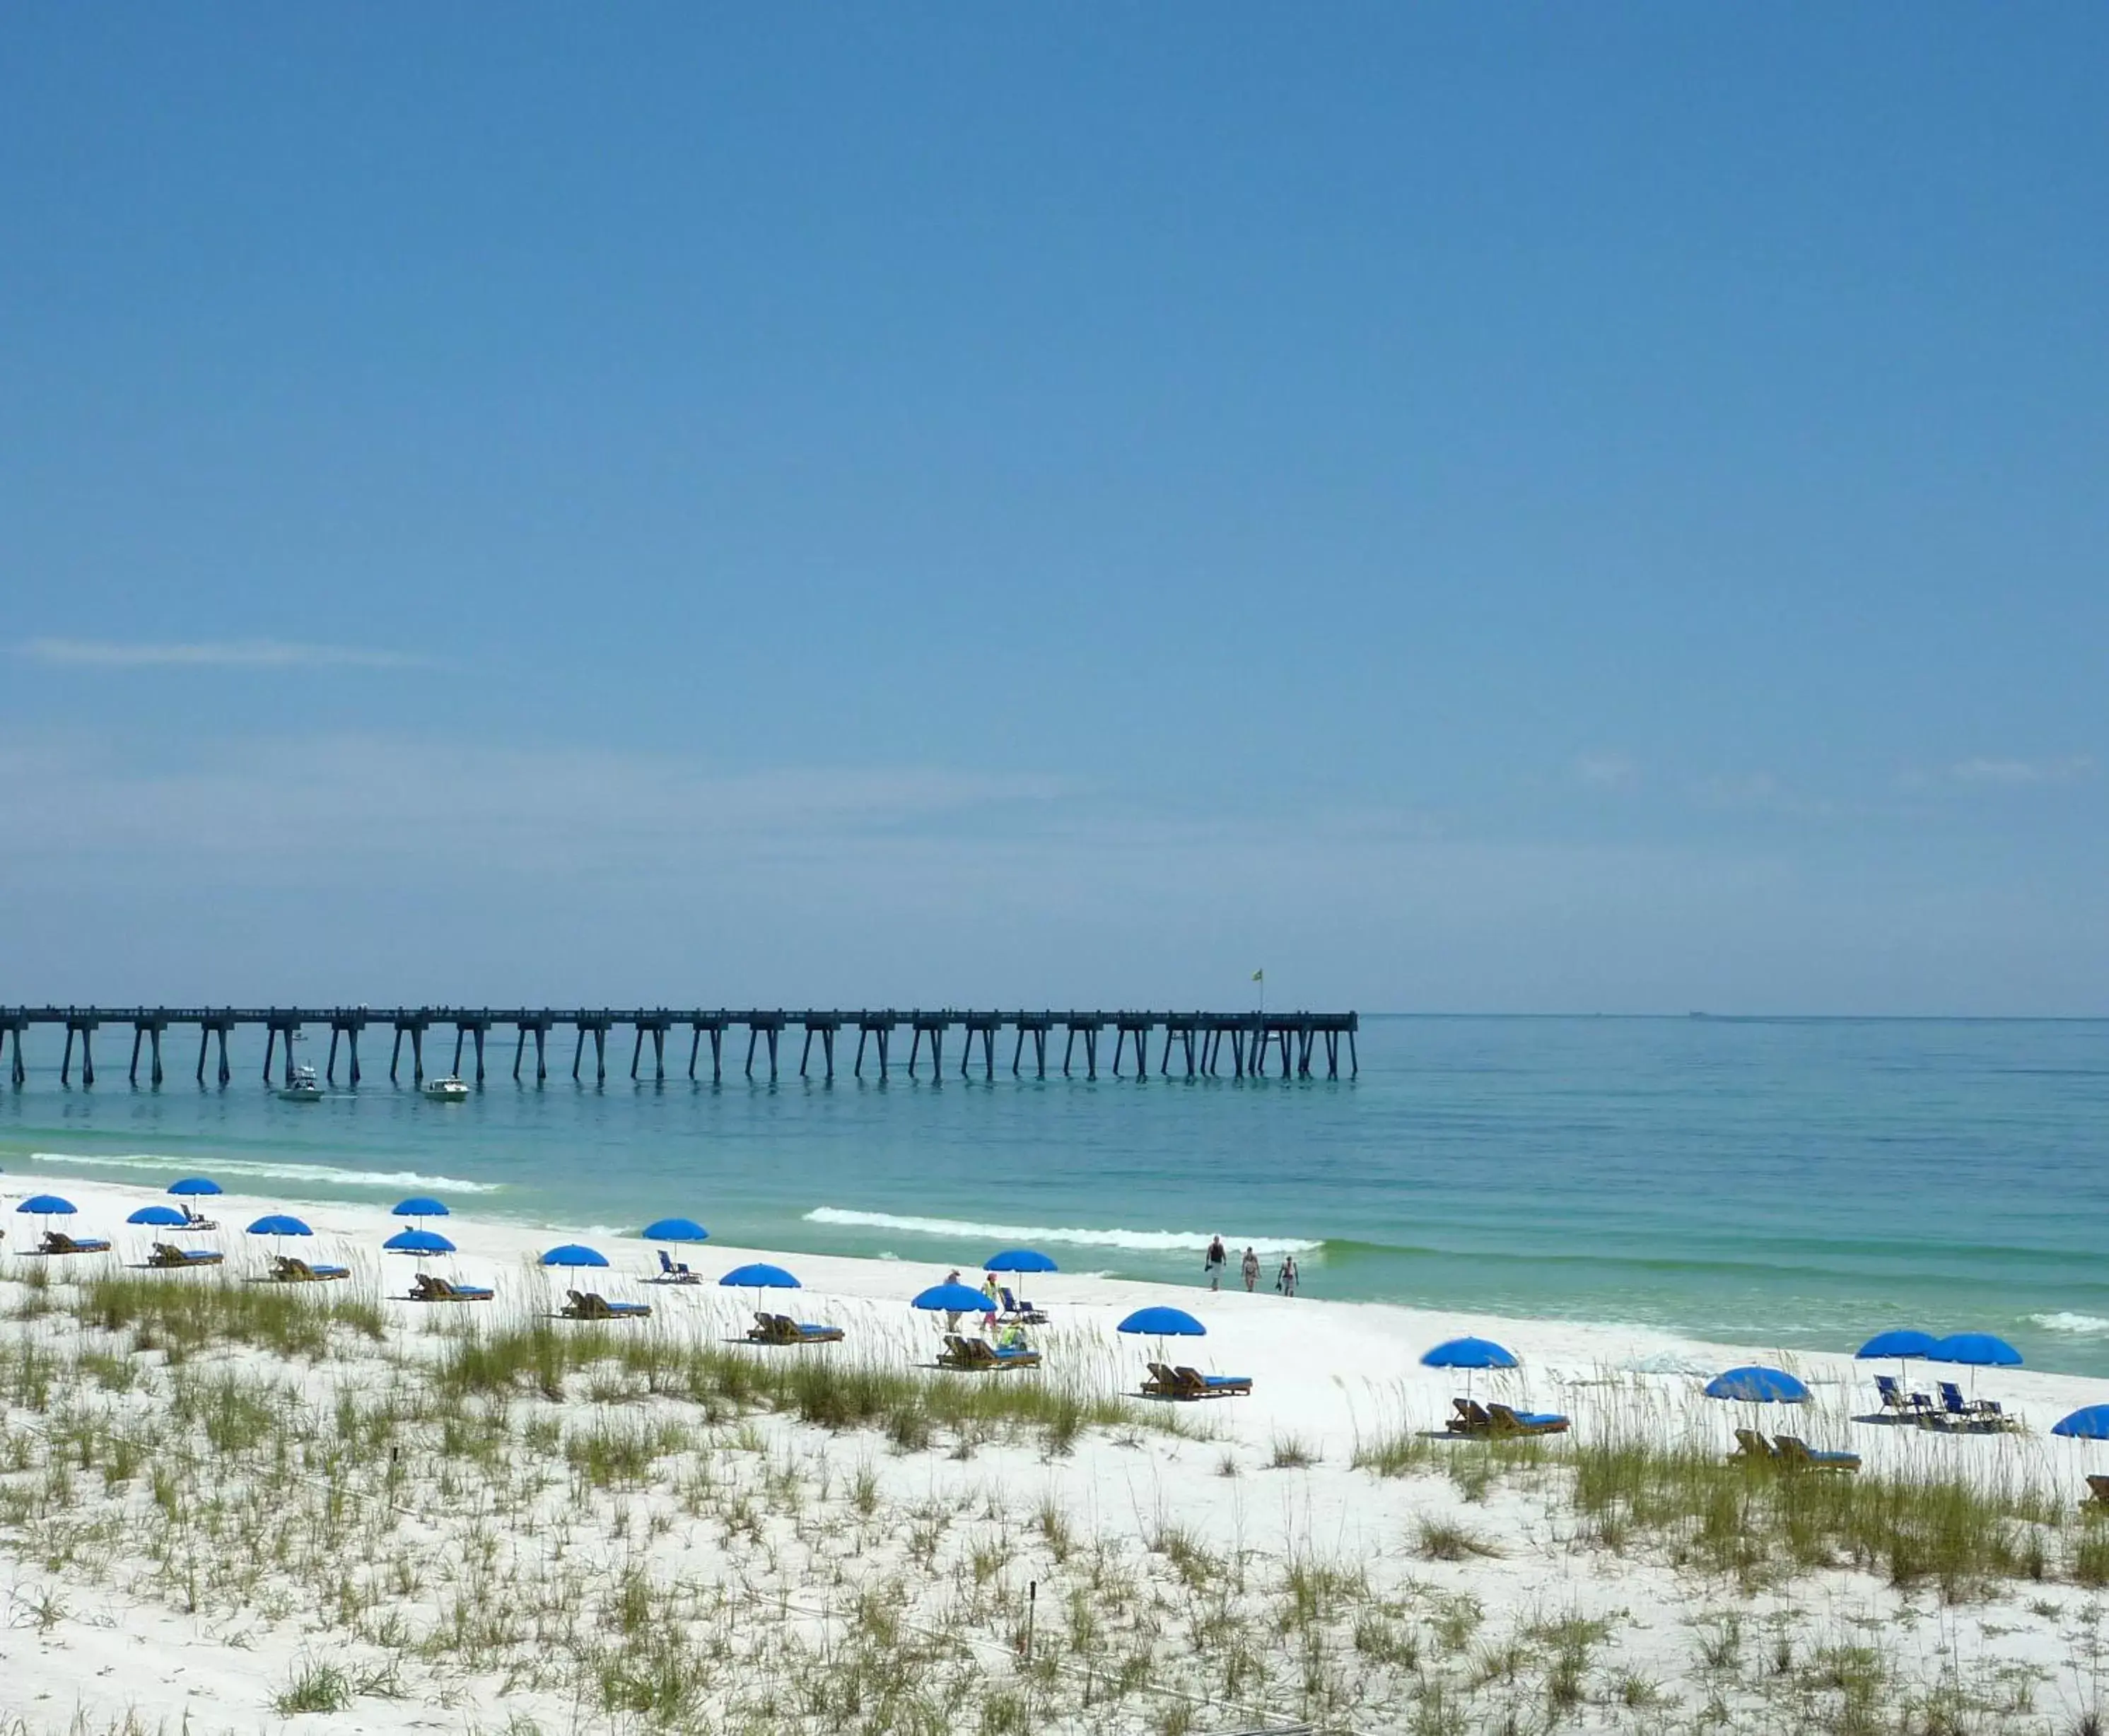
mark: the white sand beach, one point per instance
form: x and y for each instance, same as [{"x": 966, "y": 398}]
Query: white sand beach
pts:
[{"x": 1304, "y": 1555}]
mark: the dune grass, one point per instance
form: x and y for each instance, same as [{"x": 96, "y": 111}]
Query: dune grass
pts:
[{"x": 186, "y": 1314}]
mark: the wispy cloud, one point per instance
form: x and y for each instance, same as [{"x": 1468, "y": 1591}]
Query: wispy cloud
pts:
[
  {"x": 2000, "y": 772},
  {"x": 212, "y": 654},
  {"x": 1603, "y": 771}
]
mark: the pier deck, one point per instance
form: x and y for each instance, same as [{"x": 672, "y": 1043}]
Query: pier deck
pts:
[{"x": 1259, "y": 1045}]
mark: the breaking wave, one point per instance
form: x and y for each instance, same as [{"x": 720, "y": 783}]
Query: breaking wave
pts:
[
  {"x": 1135, "y": 1241},
  {"x": 2085, "y": 1325},
  {"x": 266, "y": 1170}
]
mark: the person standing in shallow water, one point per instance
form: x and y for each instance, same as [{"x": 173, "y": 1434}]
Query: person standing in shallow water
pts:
[
  {"x": 1212, "y": 1265},
  {"x": 1284, "y": 1280},
  {"x": 1249, "y": 1268}
]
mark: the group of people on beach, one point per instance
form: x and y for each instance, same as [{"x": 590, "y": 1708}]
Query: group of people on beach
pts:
[{"x": 1218, "y": 1257}]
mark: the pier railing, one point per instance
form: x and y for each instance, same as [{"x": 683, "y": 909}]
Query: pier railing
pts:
[{"x": 1259, "y": 1044}]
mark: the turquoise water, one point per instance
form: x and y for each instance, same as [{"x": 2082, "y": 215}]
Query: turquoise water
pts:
[{"x": 1797, "y": 1182}]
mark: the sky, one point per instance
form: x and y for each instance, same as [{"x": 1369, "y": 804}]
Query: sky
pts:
[{"x": 1523, "y": 510}]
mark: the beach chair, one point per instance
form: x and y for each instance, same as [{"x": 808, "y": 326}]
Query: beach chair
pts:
[
  {"x": 780, "y": 1329},
  {"x": 1470, "y": 1417},
  {"x": 425, "y": 1288},
  {"x": 673, "y": 1272},
  {"x": 2097, "y": 1489},
  {"x": 1508, "y": 1422},
  {"x": 974, "y": 1356},
  {"x": 197, "y": 1221},
  {"x": 1917, "y": 1407},
  {"x": 1752, "y": 1448},
  {"x": 1797, "y": 1454},
  {"x": 1973, "y": 1413},
  {"x": 1163, "y": 1383},
  {"x": 168, "y": 1257},
  {"x": 1193, "y": 1384},
  {"x": 58, "y": 1241},
  {"x": 290, "y": 1268},
  {"x": 590, "y": 1305},
  {"x": 1019, "y": 1313}
]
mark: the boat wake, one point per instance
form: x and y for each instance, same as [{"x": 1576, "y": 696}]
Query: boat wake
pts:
[
  {"x": 266, "y": 1170},
  {"x": 1134, "y": 1240}
]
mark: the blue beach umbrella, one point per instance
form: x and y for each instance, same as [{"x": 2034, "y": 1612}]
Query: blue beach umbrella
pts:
[
  {"x": 1162, "y": 1323},
  {"x": 759, "y": 1276},
  {"x": 2090, "y": 1424},
  {"x": 676, "y": 1229},
  {"x": 1901, "y": 1345},
  {"x": 421, "y": 1205},
  {"x": 574, "y": 1254},
  {"x": 160, "y": 1217},
  {"x": 47, "y": 1205},
  {"x": 1976, "y": 1350},
  {"x": 279, "y": 1223},
  {"x": 418, "y": 1241},
  {"x": 1469, "y": 1353},
  {"x": 1019, "y": 1260},
  {"x": 194, "y": 1185},
  {"x": 1757, "y": 1385},
  {"x": 953, "y": 1299}
]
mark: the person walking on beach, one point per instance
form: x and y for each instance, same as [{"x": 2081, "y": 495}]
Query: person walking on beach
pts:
[
  {"x": 1249, "y": 1266},
  {"x": 994, "y": 1292},
  {"x": 1284, "y": 1280},
  {"x": 1213, "y": 1263},
  {"x": 952, "y": 1315}
]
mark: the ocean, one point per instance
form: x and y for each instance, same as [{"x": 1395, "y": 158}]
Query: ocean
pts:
[{"x": 1800, "y": 1183}]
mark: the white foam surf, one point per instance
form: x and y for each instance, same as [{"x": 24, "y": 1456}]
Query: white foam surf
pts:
[
  {"x": 267, "y": 1170},
  {"x": 2083, "y": 1325},
  {"x": 1134, "y": 1240}
]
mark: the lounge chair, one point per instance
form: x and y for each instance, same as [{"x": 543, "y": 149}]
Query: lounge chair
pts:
[
  {"x": 2098, "y": 1488},
  {"x": 1508, "y": 1422},
  {"x": 1796, "y": 1454},
  {"x": 673, "y": 1272},
  {"x": 289, "y": 1269},
  {"x": 1469, "y": 1417},
  {"x": 590, "y": 1305},
  {"x": 1752, "y": 1448},
  {"x": 1959, "y": 1412},
  {"x": 425, "y": 1288},
  {"x": 1193, "y": 1384},
  {"x": 168, "y": 1257},
  {"x": 195, "y": 1220},
  {"x": 58, "y": 1241},
  {"x": 780, "y": 1329},
  {"x": 974, "y": 1356},
  {"x": 1163, "y": 1383},
  {"x": 1021, "y": 1314},
  {"x": 1916, "y": 1406}
]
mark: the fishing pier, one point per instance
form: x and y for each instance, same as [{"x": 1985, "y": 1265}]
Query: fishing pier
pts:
[{"x": 1194, "y": 1045}]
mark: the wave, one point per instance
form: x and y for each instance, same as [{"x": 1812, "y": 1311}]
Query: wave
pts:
[
  {"x": 1135, "y": 1241},
  {"x": 2085, "y": 1325},
  {"x": 271, "y": 1171}
]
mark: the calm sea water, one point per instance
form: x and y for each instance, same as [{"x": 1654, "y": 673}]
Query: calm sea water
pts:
[{"x": 1797, "y": 1182}]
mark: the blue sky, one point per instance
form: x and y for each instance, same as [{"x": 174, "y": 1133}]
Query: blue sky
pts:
[{"x": 1527, "y": 512}]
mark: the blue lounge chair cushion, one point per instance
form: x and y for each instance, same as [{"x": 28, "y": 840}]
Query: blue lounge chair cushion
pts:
[
  {"x": 331, "y": 1271},
  {"x": 1227, "y": 1380},
  {"x": 478, "y": 1291}
]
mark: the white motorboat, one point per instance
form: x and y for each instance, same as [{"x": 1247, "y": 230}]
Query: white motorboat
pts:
[
  {"x": 448, "y": 1090},
  {"x": 302, "y": 1087}
]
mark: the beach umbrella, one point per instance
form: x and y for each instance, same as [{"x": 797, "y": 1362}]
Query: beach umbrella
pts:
[
  {"x": 279, "y": 1223},
  {"x": 418, "y": 1241},
  {"x": 1019, "y": 1260},
  {"x": 1976, "y": 1350},
  {"x": 759, "y": 1276},
  {"x": 1162, "y": 1323},
  {"x": 1471, "y": 1355},
  {"x": 676, "y": 1229},
  {"x": 160, "y": 1217},
  {"x": 47, "y": 1205},
  {"x": 194, "y": 1184},
  {"x": 1757, "y": 1385},
  {"x": 573, "y": 1254},
  {"x": 953, "y": 1299},
  {"x": 2089, "y": 1424},
  {"x": 421, "y": 1205},
  {"x": 1900, "y": 1344}
]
